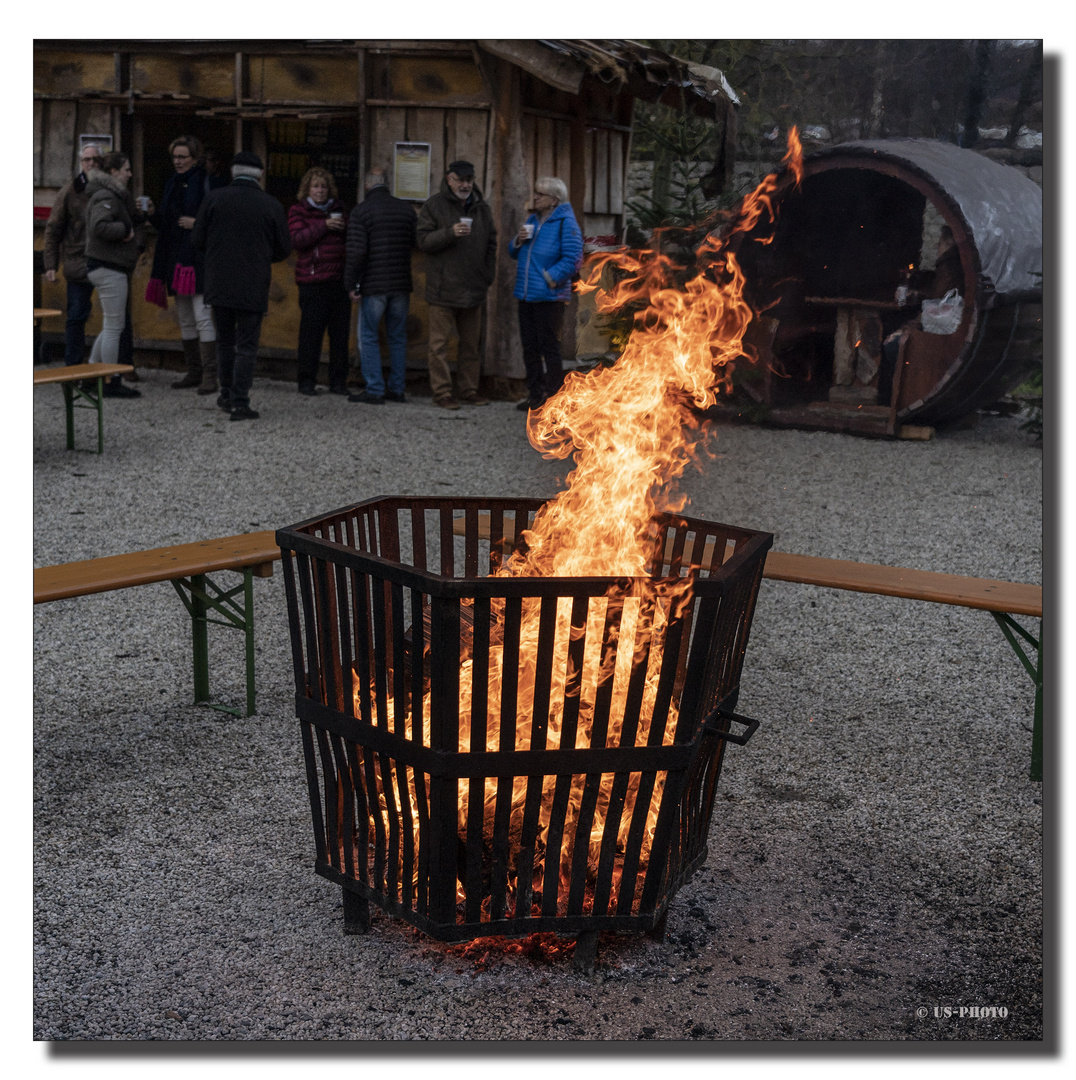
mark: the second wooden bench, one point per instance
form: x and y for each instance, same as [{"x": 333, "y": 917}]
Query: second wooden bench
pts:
[{"x": 188, "y": 567}]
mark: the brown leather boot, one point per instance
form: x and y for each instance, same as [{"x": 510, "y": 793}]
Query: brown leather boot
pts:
[
  {"x": 193, "y": 357},
  {"x": 209, "y": 367}
]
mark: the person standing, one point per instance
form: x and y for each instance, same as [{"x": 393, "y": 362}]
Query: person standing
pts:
[
  {"x": 178, "y": 270},
  {"x": 65, "y": 245},
  {"x": 112, "y": 250},
  {"x": 242, "y": 232},
  {"x": 548, "y": 250},
  {"x": 455, "y": 230},
  {"x": 316, "y": 223},
  {"x": 381, "y": 237},
  {"x": 213, "y": 175}
]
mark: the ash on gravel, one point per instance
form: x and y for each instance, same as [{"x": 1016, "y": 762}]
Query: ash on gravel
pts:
[{"x": 875, "y": 851}]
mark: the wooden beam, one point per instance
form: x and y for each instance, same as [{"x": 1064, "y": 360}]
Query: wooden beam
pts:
[
  {"x": 447, "y": 103},
  {"x": 364, "y": 139},
  {"x": 508, "y": 188},
  {"x": 560, "y": 72}
]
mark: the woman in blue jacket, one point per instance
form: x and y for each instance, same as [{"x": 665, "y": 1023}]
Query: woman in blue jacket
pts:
[{"x": 549, "y": 251}]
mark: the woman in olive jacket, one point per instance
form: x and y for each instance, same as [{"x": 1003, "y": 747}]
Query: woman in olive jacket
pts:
[{"x": 112, "y": 249}]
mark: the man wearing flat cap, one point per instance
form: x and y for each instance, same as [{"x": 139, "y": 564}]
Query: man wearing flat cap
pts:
[
  {"x": 243, "y": 231},
  {"x": 455, "y": 230}
]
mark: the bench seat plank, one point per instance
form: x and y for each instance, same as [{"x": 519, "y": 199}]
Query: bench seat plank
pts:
[
  {"x": 77, "y": 372},
  {"x": 1004, "y": 596},
  {"x": 982, "y": 593},
  {"x": 257, "y": 549}
]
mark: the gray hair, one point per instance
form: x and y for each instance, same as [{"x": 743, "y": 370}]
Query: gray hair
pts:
[
  {"x": 246, "y": 170},
  {"x": 375, "y": 178},
  {"x": 552, "y": 185}
]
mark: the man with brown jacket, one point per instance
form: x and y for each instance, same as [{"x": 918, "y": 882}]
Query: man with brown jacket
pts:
[
  {"x": 455, "y": 230},
  {"x": 65, "y": 245}
]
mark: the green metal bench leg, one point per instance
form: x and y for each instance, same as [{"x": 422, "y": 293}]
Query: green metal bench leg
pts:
[
  {"x": 71, "y": 391},
  {"x": 203, "y": 598},
  {"x": 100, "y": 415},
  {"x": 1036, "y": 731},
  {"x": 1011, "y": 628},
  {"x": 69, "y": 410},
  {"x": 248, "y": 607},
  {"x": 199, "y": 638}
]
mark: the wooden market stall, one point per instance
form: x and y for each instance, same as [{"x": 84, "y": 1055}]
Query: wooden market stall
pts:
[{"x": 517, "y": 109}]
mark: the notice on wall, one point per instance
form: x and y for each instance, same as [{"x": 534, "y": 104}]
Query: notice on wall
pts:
[
  {"x": 102, "y": 142},
  {"x": 411, "y": 171}
]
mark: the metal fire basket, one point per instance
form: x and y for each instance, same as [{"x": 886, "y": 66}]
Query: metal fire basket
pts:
[{"x": 501, "y": 755}]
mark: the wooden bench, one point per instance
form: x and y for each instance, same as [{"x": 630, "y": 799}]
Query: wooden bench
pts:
[
  {"x": 187, "y": 567},
  {"x": 70, "y": 378},
  {"x": 1003, "y": 599}
]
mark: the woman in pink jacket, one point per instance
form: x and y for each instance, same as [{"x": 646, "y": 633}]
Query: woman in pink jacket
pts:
[{"x": 317, "y": 224}]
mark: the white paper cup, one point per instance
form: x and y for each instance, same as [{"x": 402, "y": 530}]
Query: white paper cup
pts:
[
  {"x": 337, "y": 214},
  {"x": 143, "y": 202},
  {"x": 466, "y": 221},
  {"x": 528, "y": 230}
]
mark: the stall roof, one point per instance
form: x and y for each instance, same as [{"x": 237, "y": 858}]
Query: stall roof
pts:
[
  {"x": 1000, "y": 207},
  {"x": 645, "y": 72}
]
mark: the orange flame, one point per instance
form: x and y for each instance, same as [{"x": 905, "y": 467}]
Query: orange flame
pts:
[{"x": 631, "y": 431}]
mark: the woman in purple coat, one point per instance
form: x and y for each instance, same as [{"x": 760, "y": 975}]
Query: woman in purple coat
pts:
[{"x": 317, "y": 224}]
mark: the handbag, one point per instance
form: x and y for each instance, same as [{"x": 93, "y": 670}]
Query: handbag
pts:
[{"x": 943, "y": 316}]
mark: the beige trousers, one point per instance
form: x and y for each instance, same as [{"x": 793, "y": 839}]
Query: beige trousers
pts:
[{"x": 445, "y": 323}]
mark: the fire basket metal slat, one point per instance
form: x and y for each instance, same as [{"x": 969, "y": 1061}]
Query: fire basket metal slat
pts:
[{"x": 495, "y": 754}]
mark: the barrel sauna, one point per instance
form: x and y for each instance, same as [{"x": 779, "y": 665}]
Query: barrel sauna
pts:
[{"x": 865, "y": 219}]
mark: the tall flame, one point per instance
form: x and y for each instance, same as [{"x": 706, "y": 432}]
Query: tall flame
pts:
[
  {"x": 631, "y": 430},
  {"x": 630, "y": 426}
]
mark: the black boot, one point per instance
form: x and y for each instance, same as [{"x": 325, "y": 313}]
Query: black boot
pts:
[
  {"x": 193, "y": 355},
  {"x": 208, "y": 350}
]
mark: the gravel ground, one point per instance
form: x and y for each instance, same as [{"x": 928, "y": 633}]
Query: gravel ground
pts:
[{"x": 876, "y": 848}]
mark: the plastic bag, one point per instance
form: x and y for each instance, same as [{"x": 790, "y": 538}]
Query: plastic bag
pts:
[{"x": 943, "y": 316}]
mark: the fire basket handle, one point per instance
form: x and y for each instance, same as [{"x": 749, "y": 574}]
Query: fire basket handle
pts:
[{"x": 729, "y": 736}]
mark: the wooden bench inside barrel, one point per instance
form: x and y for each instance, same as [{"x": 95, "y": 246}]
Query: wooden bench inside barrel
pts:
[
  {"x": 71, "y": 379},
  {"x": 1003, "y": 599},
  {"x": 188, "y": 567}
]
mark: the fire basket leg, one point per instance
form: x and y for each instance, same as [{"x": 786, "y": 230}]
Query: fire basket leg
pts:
[
  {"x": 586, "y": 952},
  {"x": 356, "y": 913},
  {"x": 658, "y": 932}
]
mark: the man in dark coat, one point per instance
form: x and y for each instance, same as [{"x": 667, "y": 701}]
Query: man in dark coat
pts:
[
  {"x": 455, "y": 229},
  {"x": 242, "y": 231},
  {"x": 65, "y": 245},
  {"x": 377, "y": 271}
]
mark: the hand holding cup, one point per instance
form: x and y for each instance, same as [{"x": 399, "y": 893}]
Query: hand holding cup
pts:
[{"x": 463, "y": 226}]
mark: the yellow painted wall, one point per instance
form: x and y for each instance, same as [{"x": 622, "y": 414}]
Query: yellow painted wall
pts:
[
  {"x": 211, "y": 77},
  {"x": 70, "y": 73},
  {"x": 326, "y": 79}
]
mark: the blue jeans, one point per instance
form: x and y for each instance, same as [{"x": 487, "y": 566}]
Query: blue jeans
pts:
[
  {"x": 79, "y": 305},
  {"x": 394, "y": 307}
]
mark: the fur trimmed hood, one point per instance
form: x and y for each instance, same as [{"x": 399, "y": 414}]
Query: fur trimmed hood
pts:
[{"x": 97, "y": 180}]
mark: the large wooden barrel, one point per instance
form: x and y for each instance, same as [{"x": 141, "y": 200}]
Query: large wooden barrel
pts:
[{"x": 864, "y": 216}]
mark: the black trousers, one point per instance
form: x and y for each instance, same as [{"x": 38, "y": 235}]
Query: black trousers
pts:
[
  {"x": 324, "y": 305},
  {"x": 237, "y": 350},
  {"x": 539, "y": 331}
]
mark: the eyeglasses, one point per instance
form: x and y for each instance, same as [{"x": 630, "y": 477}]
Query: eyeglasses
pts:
[{"x": 180, "y": 157}]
